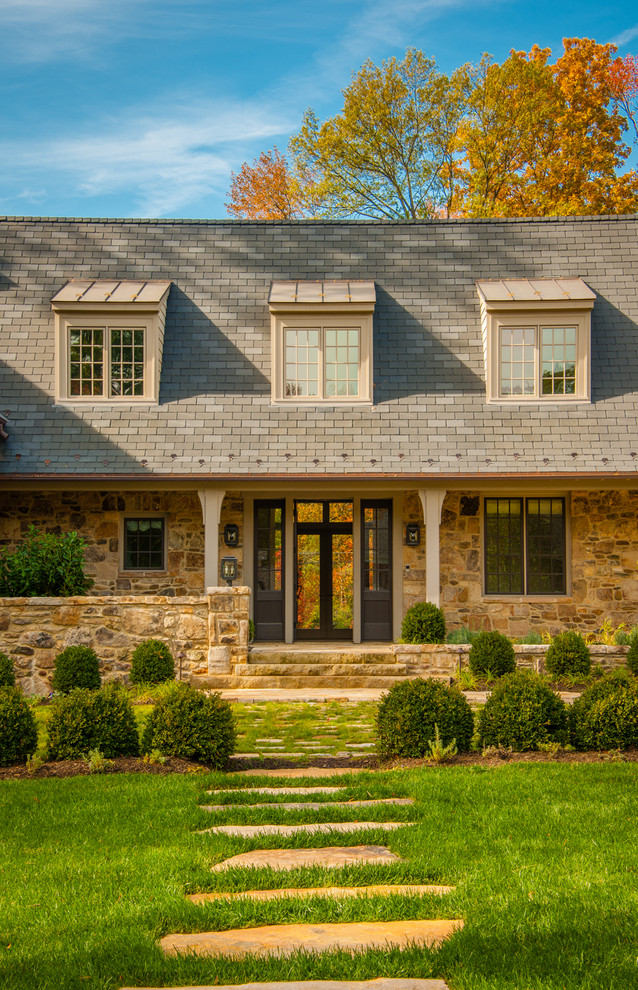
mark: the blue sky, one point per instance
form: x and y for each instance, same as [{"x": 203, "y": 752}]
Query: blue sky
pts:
[{"x": 143, "y": 107}]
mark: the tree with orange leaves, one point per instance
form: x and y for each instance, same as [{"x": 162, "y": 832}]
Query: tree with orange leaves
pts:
[{"x": 269, "y": 189}]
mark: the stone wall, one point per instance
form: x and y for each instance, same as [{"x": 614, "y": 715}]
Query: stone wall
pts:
[
  {"x": 205, "y": 633},
  {"x": 448, "y": 659},
  {"x": 604, "y": 579}
]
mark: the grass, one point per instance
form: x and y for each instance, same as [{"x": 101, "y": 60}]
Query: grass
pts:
[{"x": 94, "y": 870}]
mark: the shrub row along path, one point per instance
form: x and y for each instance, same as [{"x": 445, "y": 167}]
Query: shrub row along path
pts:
[{"x": 284, "y": 940}]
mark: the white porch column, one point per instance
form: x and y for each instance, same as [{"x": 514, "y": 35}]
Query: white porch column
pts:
[
  {"x": 211, "y": 500},
  {"x": 432, "y": 503}
]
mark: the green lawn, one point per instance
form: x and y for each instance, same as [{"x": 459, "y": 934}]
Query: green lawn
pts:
[{"x": 93, "y": 872}]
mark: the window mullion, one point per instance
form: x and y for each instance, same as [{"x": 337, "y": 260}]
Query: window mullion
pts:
[{"x": 322, "y": 363}]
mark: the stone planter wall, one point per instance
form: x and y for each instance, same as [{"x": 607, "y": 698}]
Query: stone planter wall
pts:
[
  {"x": 436, "y": 661},
  {"x": 205, "y": 633}
]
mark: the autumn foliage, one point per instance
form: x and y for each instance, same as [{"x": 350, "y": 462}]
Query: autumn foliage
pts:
[{"x": 525, "y": 137}]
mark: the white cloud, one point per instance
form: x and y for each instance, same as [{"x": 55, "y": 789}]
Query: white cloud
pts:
[
  {"x": 164, "y": 162},
  {"x": 625, "y": 37}
]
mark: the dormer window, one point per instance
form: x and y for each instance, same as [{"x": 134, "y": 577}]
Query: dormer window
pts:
[
  {"x": 109, "y": 340},
  {"x": 537, "y": 339},
  {"x": 322, "y": 341}
]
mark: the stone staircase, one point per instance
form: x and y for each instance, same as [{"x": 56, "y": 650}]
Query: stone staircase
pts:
[{"x": 292, "y": 666}]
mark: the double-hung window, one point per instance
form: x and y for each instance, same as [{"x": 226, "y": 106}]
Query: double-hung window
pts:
[
  {"x": 536, "y": 337},
  {"x": 524, "y": 540},
  {"x": 322, "y": 341},
  {"x": 109, "y": 340}
]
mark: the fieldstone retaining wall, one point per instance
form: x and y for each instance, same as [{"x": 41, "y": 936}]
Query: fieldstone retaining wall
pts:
[
  {"x": 447, "y": 660},
  {"x": 205, "y": 633}
]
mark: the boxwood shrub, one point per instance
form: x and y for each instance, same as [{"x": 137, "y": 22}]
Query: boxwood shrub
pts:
[
  {"x": 521, "y": 712},
  {"x": 18, "y": 732},
  {"x": 408, "y": 713},
  {"x": 606, "y": 714},
  {"x": 85, "y": 720},
  {"x": 76, "y": 667},
  {"x": 632, "y": 655},
  {"x": 568, "y": 655},
  {"x": 151, "y": 663},
  {"x": 491, "y": 653},
  {"x": 192, "y": 725},
  {"x": 423, "y": 623},
  {"x": 7, "y": 672}
]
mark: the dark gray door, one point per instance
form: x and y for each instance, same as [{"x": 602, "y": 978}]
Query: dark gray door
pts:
[
  {"x": 376, "y": 569},
  {"x": 269, "y": 569}
]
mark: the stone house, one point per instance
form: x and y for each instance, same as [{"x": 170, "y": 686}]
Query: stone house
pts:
[{"x": 361, "y": 415}]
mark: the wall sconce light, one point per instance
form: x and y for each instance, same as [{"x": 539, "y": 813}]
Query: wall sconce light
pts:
[
  {"x": 231, "y": 535},
  {"x": 412, "y": 535},
  {"x": 229, "y": 570}
]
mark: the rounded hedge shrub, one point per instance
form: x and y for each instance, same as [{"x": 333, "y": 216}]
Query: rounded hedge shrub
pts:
[
  {"x": 76, "y": 667},
  {"x": 18, "y": 732},
  {"x": 408, "y": 713},
  {"x": 423, "y": 623},
  {"x": 85, "y": 720},
  {"x": 521, "y": 712},
  {"x": 632, "y": 655},
  {"x": 606, "y": 714},
  {"x": 568, "y": 654},
  {"x": 491, "y": 653},
  {"x": 7, "y": 673},
  {"x": 192, "y": 725},
  {"x": 151, "y": 663}
]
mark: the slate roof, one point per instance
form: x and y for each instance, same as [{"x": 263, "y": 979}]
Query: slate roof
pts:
[{"x": 215, "y": 418}]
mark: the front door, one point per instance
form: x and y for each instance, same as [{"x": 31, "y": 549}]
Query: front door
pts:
[{"x": 324, "y": 569}]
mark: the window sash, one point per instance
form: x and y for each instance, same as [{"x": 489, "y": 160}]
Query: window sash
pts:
[
  {"x": 525, "y": 546},
  {"x": 104, "y": 361},
  {"x": 144, "y": 544},
  {"x": 322, "y": 362},
  {"x": 536, "y": 361}
]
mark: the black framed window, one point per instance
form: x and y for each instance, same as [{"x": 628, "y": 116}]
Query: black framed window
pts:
[
  {"x": 144, "y": 540},
  {"x": 525, "y": 546}
]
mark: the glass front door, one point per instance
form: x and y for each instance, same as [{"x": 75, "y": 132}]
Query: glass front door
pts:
[{"x": 324, "y": 569}]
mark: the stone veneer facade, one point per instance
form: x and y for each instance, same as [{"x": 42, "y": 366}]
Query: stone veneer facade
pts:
[{"x": 603, "y": 541}]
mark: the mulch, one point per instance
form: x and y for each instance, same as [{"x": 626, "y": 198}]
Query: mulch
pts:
[{"x": 129, "y": 764}]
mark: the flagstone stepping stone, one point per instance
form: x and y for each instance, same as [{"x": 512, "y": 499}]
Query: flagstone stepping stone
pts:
[
  {"x": 380, "y": 890},
  {"x": 312, "y": 805},
  {"x": 283, "y": 940},
  {"x": 249, "y": 831},
  {"x": 293, "y": 772},
  {"x": 329, "y": 857},
  {"x": 382, "y": 983},
  {"x": 279, "y": 790}
]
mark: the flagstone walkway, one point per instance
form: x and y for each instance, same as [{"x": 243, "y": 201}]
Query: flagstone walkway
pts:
[{"x": 284, "y": 940}]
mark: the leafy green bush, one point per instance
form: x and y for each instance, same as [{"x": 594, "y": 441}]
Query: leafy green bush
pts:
[
  {"x": 632, "y": 655},
  {"x": 151, "y": 663},
  {"x": 44, "y": 565},
  {"x": 423, "y": 623},
  {"x": 409, "y": 713},
  {"x": 192, "y": 725},
  {"x": 7, "y": 673},
  {"x": 568, "y": 655},
  {"x": 522, "y": 712},
  {"x": 18, "y": 732},
  {"x": 76, "y": 667},
  {"x": 461, "y": 636},
  {"x": 87, "y": 720},
  {"x": 606, "y": 714},
  {"x": 491, "y": 653}
]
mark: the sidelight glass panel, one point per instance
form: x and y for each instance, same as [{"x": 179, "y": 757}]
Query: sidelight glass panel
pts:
[
  {"x": 269, "y": 548},
  {"x": 308, "y": 580},
  {"x": 376, "y": 562},
  {"x": 342, "y": 581}
]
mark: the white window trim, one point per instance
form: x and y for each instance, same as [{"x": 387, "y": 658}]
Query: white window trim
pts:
[
  {"x": 537, "y": 320},
  {"x": 149, "y": 316},
  {"x": 122, "y": 543},
  {"x": 322, "y": 321}
]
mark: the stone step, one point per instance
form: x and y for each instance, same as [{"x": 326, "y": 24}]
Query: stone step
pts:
[
  {"x": 330, "y": 857},
  {"x": 284, "y": 940},
  {"x": 381, "y": 983},
  {"x": 313, "y": 670},
  {"x": 308, "y": 805},
  {"x": 228, "y": 682},
  {"x": 279, "y": 790},
  {"x": 329, "y": 657},
  {"x": 338, "y": 893},
  {"x": 293, "y": 772},
  {"x": 249, "y": 831}
]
